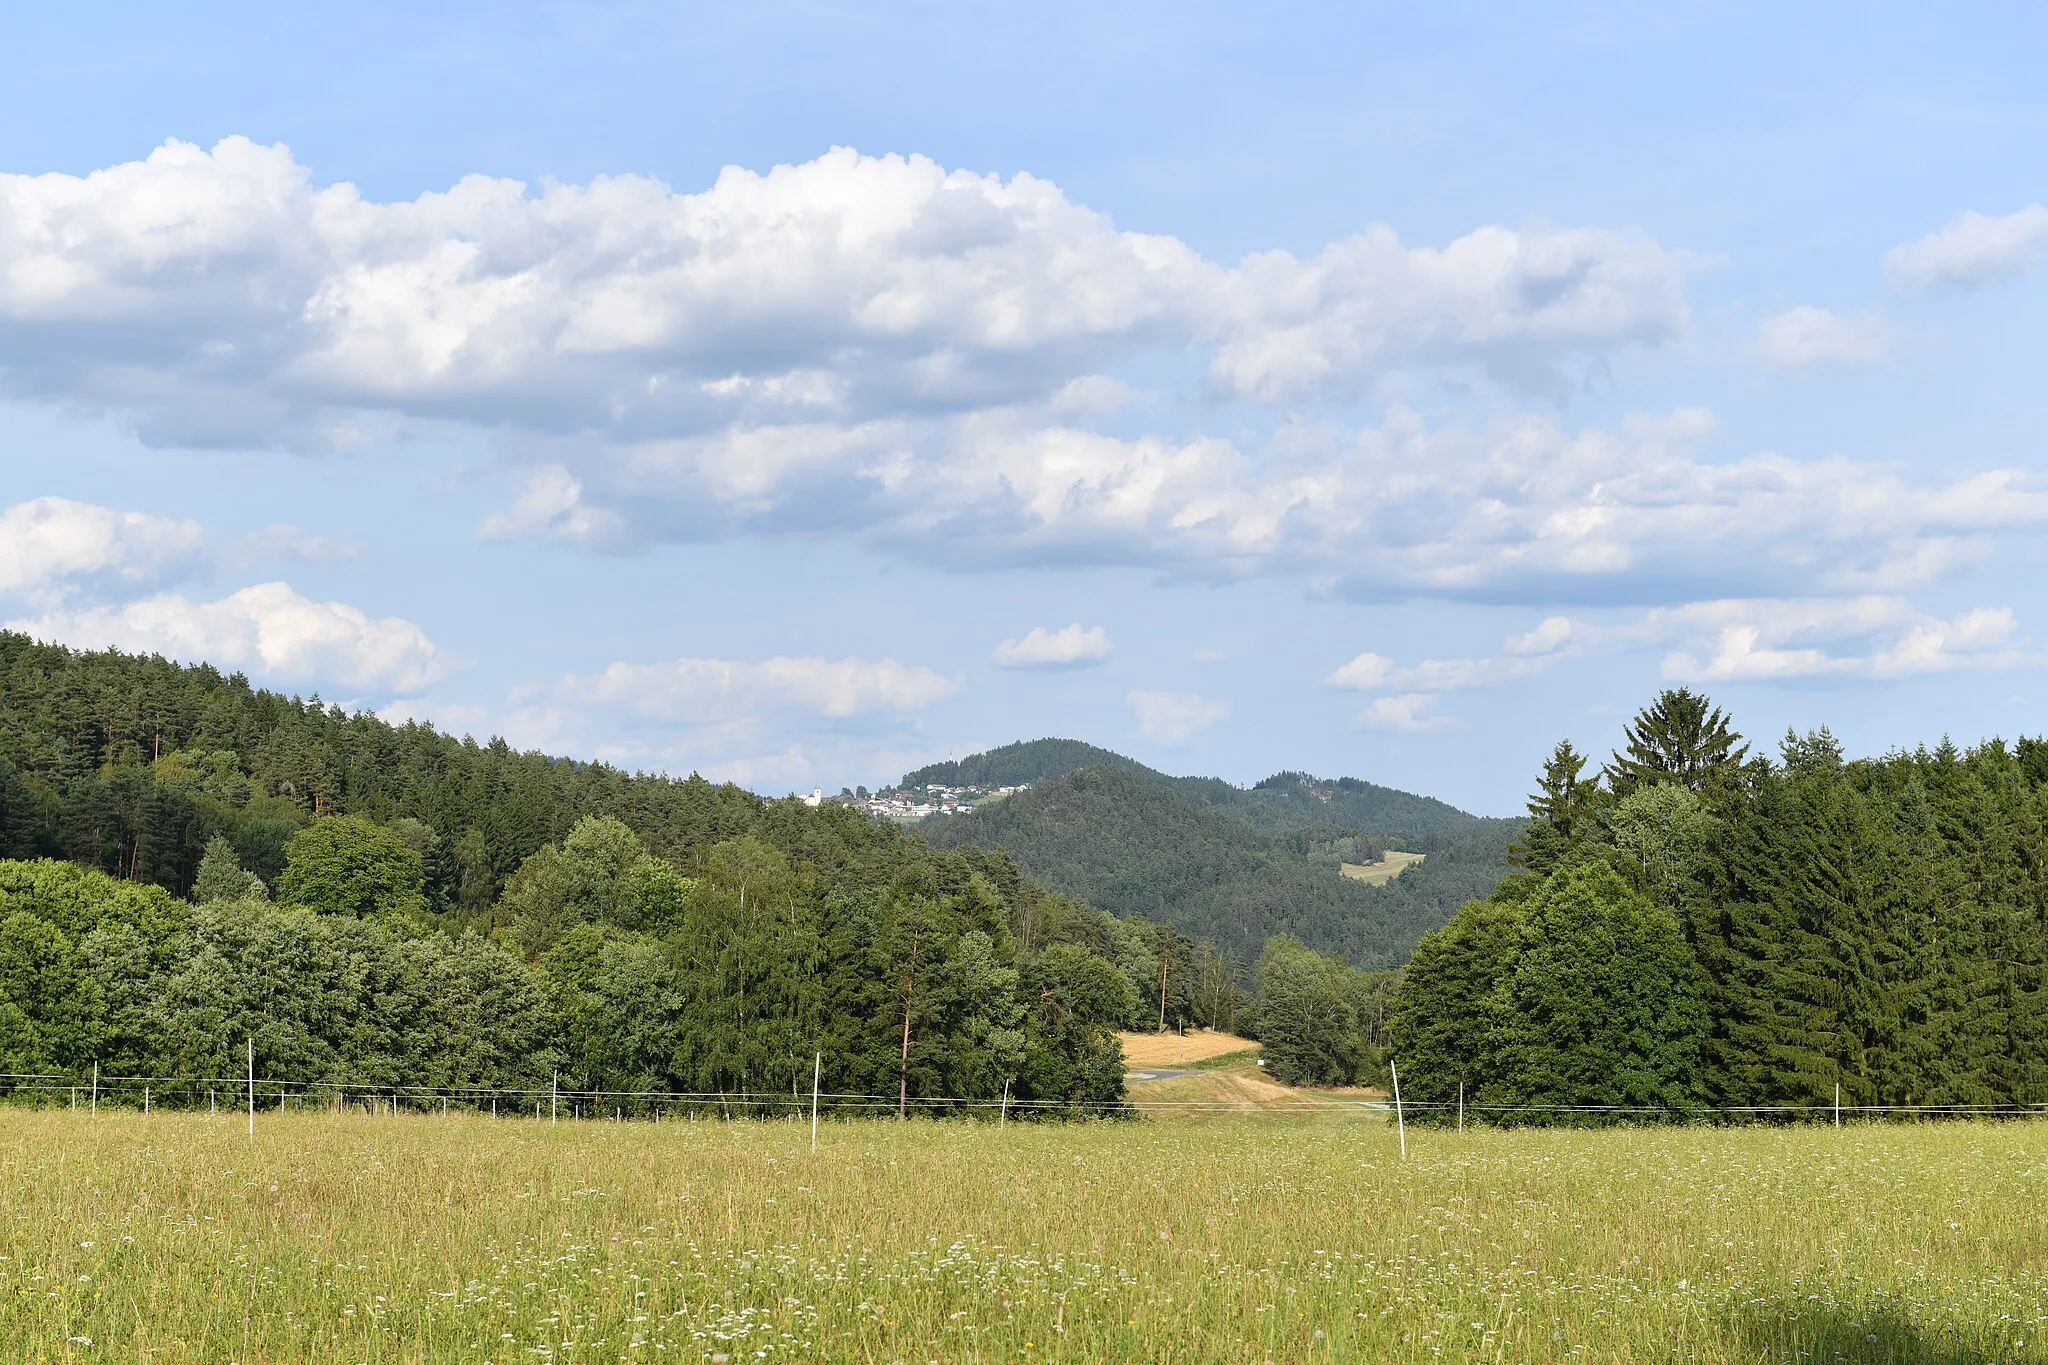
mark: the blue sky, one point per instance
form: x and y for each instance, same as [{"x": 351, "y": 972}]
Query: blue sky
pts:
[{"x": 799, "y": 393}]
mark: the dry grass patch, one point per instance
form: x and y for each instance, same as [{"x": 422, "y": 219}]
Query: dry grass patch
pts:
[
  {"x": 1391, "y": 865},
  {"x": 1175, "y": 1049}
]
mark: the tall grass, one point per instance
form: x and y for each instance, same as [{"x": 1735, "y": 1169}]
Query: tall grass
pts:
[{"x": 174, "y": 1237}]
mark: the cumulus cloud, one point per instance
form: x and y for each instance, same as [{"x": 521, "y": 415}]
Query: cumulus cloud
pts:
[
  {"x": 1799, "y": 337},
  {"x": 1373, "y": 673},
  {"x": 50, "y": 547},
  {"x": 552, "y": 508},
  {"x": 269, "y": 629},
  {"x": 221, "y": 296},
  {"x": 1071, "y": 646},
  {"x": 1970, "y": 249},
  {"x": 1172, "y": 718},
  {"x": 1760, "y": 639},
  {"x": 883, "y": 349},
  {"x": 1551, "y": 634},
  {"x": 712, "y": 691},
  {"x": 1867, "y": 637},
  {"x": 1407, "y": 714}
]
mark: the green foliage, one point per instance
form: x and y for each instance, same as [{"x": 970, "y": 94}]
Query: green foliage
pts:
[
  {"x": 1874, "y": 925},
  {"x": 1285, "y": 803},
  {"x": 1571, "y": 991},
  {"x": 1014, "y": 765},
  {"x": 1441, "y": 1018},
  {"x": 1306, "y": 1020},
  {"x": 1680, "y": 738},
  {"x": 487, "y": 918},
  {"x": 1135, "y": 845},
  {"x": 1561, "y": 813},
  {"x": 346, "y": 865},
  {"x": 1600, "y": 1004},
  {"x": 222, "y": 878}
]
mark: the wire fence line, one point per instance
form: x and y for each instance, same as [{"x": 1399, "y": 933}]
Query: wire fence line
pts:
[{"x": 579, "y": 1103}]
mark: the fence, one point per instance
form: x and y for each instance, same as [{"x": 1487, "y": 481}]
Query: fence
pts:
[{"x": 234, "y": 1093}]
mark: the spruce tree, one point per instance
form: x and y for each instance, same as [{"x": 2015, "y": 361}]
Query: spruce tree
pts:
[
  {"x": 1561, "y": 813},
  {"x": 1680, "y": 738}
]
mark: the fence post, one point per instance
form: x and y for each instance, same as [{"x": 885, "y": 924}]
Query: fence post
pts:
[
  {"x": 1461, "y": 1106},
  {"x": 95, "y": 1087},
  {"x": 1838, "y": 1104},
  {"x": 1400, "y": 1122},
  {"x": 252, "y": 1086},
  {"x": 145, "y": 1099},
  {"x": 554, "y": 1096},
  {"x": 1004, "y": 1119},
  {"x": 817, "y": 1073}
]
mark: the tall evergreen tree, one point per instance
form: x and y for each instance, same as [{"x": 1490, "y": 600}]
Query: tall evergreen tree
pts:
[
  {"x": 1680, "y": 738},
  {"x": 1561, "y": 812}
]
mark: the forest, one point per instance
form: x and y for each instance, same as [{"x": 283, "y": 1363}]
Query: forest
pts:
[
  {"x": 1701, "y": 928},
  {"x": 1234, "y": 870},
  {"x": 188, "y": 862}
]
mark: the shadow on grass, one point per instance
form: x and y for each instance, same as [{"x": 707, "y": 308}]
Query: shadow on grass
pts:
[{"x": 1812, "y": 1332}]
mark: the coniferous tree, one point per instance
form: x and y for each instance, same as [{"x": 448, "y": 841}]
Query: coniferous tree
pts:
[
  {"x": 1680, "y": 738},
  {"x": 1561, "y": 813}
]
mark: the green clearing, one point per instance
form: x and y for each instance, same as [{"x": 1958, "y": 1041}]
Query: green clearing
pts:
[{"x": 1253, "y": 1238}]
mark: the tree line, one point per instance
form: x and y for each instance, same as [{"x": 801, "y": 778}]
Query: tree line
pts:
[
  {"x": 188, "y": 862},
  {"x": 1698, "y": 927}
]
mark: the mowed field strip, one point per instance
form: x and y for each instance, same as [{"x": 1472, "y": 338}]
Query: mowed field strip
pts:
[
  {"x": 174, "y": 1237},
  {"x": 1390, "y": 866},
  {"x": 1180, "y": 1049}
]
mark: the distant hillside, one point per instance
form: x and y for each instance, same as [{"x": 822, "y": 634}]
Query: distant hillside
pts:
[
  {"x": 1131, "y": 841},
  {"x": 1032, "y": 760},
  {"x": 1297, "y": 801},
  {"x": 1284, "y": 803}
]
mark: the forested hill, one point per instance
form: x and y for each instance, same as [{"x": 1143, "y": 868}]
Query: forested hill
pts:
[
  {"x": 1015, "y": 765},
  {"x": 187, "y": 861},
  {"x": 1119, "y": 838},
  {"x": 1284, "y": 802}
]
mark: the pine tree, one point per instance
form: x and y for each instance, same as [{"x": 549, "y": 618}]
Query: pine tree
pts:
[
  {"x": 1680, "y": 738},
  {"x": 1561, "y": 813}
]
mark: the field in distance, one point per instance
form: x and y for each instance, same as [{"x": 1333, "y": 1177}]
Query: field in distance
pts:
[
  {"x": 1146, "y": 1050},
  {"x": 1392, "y": 864},
  {"x": 173, "y": 1237}
]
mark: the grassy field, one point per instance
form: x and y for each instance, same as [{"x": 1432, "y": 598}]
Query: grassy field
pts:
[
  {"x": 1391, "y": 865},
  {"x": 1255, "y": 1238},
  {"x": 1181, "y": 1049}
]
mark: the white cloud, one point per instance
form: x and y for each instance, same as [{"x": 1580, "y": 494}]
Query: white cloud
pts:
[
  {"x": 220, "y": 296},
  {"x": 268, "y": 629},
  {"x": 1552, "y": 633},
  {"x": 1806, "y": 335},
  {"x": 1407, "y": 714},
  {"x": 879, "y": 348},
  {"x": 1070, "y": 646},
  {"x": 552, "y": 508},
  {"x": 48, "y": 546},
  {"x": 1526, "y": 509},
  {"x": 1171, "y": 718},
  {"x": 1867, "y": 637},
  {"x": 710, "y": 691},
  {"x": 1760, "y": 639},
  {"x": 1374, "y": 673},
  {"x": 1970, "y": 249}
]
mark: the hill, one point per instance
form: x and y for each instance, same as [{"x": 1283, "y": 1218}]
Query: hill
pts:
[
  {"x": 1283, "y": 803},
  {"x": 1026, "y": 761},
  {"x": 1133, "y": 841}
]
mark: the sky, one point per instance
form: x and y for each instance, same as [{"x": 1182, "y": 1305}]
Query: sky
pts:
[{"x": 802, "y": 393}]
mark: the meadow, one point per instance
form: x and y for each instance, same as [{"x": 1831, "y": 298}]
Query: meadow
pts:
[{"x": 1255, "y": 1237}]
